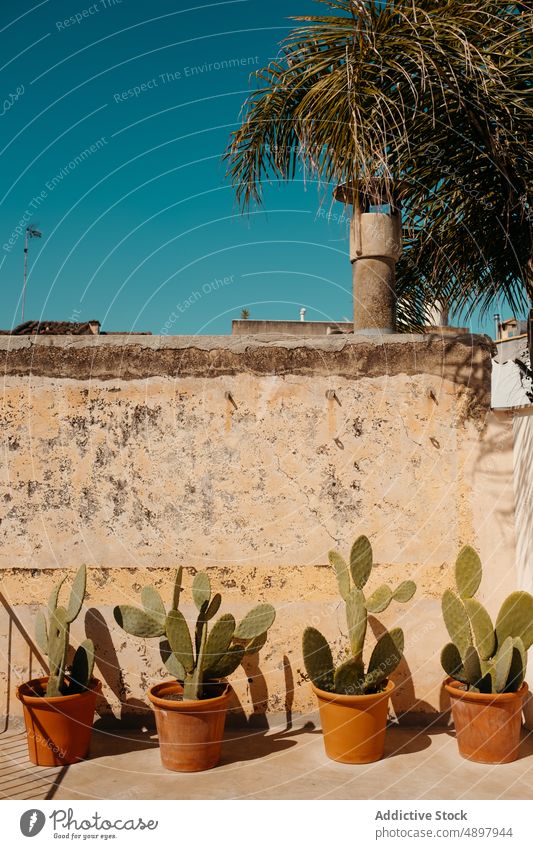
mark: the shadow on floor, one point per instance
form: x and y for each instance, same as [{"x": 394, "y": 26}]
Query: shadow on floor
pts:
[
  {"x": 108, "y": 741},
  {"x": 19, "y": 778},
  {"x": 247, "y": 744},
  {"x": 408, "y": 739}
]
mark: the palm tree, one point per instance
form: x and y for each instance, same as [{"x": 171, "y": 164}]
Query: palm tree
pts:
[{"x": 436, "y": 94}]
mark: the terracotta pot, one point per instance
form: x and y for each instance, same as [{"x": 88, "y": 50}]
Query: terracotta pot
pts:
[
  {"x": 190, "y": 732},
  {"x": 487, "y": 725},
  {"x": 354, "y": 726},
  {"x": 58, "y": 729}
]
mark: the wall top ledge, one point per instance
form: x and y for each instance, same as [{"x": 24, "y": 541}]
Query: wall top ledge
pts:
[{"x": 464, "y": 359}]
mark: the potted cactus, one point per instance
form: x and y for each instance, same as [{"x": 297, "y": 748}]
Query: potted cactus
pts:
[
  {"x": 353, "y": 700},
  {"x": 486, "y": 665},
  {"x": 59, "y": 708},
  {"x": 190, "y": 710}
]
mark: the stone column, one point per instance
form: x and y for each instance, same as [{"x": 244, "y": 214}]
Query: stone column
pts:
[{"x": 375, "y": 247}]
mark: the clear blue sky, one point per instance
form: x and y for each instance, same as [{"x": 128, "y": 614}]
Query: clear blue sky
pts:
[{"x": 113, "y": 126}]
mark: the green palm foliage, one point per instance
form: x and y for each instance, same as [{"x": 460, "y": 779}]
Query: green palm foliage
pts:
[{"x": 437, "y": 94}]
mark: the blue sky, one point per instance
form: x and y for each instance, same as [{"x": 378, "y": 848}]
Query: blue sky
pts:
[{"x": 114, "y": 120}]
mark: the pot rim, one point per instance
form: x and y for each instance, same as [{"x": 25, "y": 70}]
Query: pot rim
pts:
[
  {"x": 27, "y": 699},
  {"x": 453, "y": 688},
  {"x": 213, "y": 703},
  {"x": 354, "y": 701}
]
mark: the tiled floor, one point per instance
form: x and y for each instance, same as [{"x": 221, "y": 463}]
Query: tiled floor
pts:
[{"x": 273, "y": 764}]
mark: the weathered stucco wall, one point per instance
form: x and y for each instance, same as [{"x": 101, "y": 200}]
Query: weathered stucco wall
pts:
[
  {"x": 250, "y": 458},
  {"x": 523, "y": 481}
]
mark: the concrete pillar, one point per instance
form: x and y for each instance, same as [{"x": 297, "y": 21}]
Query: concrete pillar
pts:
[{"x": 375, "y": 246}]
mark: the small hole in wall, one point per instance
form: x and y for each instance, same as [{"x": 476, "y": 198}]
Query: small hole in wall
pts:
[{"x": 250, "y": 680}]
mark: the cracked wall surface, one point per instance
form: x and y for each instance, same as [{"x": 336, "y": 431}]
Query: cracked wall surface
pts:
[{"x": 253, "y": 475}]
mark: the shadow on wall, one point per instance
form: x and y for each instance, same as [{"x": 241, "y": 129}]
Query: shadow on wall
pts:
[
  {"x": 35, "y": 661},
  {"x": 133, "y": 711},
  {"x": 404, "y": 693},
  {"x": 523, "y": 489}
]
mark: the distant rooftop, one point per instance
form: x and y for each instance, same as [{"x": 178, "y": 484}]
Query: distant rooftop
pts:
[
  {"x": 64, "y": 328},
  {"x": 251, "y": 326}
]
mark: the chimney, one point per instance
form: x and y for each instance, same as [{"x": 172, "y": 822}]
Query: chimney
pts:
[
  {"x": 302, "y": 313},
  {"x": 497, "y": 326},
  {"x": 375, "y": 248}
]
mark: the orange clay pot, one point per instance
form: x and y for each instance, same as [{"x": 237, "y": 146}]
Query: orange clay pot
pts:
[
  {"x": 190, "y": 732},
  {"x": 354, "y": 726},
  {"x": 487, "y": 725},
  {"x": 59, "y": 728}
]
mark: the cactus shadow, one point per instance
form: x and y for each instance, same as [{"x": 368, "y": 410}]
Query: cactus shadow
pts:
[
  {"x": 258, "y": 690},
  {"x": 251, "y": 738},
  {"x": 132, "y": 711},
  {"x": 403, "y": 698},
  {"x": 406, "y": 741},
  {"x": 249, "y": 745},
  {"x": 109, "y": 740}
]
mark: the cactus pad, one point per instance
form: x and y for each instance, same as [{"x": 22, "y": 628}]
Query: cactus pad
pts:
[
  {"x": 256, "y": 644},
  {"x": 171, "y": 661},
  {"x": 318, "y": 659},
  {"x": 216, "y": 651},
  {"x": 138, "y": 622},
  {"x": 517, "y": 669},
  {"x": 341, "y": 571},
  {"x": 82, "y": 666},
  {"x": 497, "y": 664},
  {"x": 379, "y": 600},
  {"x": 482, "y": 628},
  {"x": 356, "y": 620},
  {"x": 452, "y": 662},
  {"x": 387, "y": 654},
  {"x": 201, "y": 589},
  {"x": 472, "y": 666},
  {"x": 176, "y": 591},
  {"x": 349, "y": 677},
  {"x": 153, "y": 603},
  {"x": 502, "y": 665},
  {"x": 41, "y": 632},
  {"x": 361, "y": 561},
  {"x": 227, "y": 664},
  {"x": 256, "y": 622},
  {"x": 515, "y": 618},
  {"x": 468, "y": 572},
  {"x": 54, "y": 596},
  {"x": 179, "y": 639},
  {"x": 456, "y": 621},
  {"x": 77, "y": 594},
  {"x": 219, "y": 639},
  {"x": 404, "y": 591},
  {"x": 213, "y": 607},
  {"x": 52, "y": 637}
]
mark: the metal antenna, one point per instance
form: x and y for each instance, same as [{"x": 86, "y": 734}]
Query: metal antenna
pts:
[{"x": 31, "y": 233}]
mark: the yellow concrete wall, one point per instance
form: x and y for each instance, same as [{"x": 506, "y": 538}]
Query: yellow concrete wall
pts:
[{"x": 137, "y": 476}]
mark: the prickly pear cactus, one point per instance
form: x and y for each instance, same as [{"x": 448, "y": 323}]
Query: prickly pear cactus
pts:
[
  {"x": 350, "y": 677},
  {"x": 52, "y": 636},
  {"x": 486, "y": 659},
  {"x": 206, "y": 655}
]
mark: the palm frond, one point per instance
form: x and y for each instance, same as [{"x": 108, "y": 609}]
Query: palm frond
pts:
[{"x": 435, "y": 94}]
